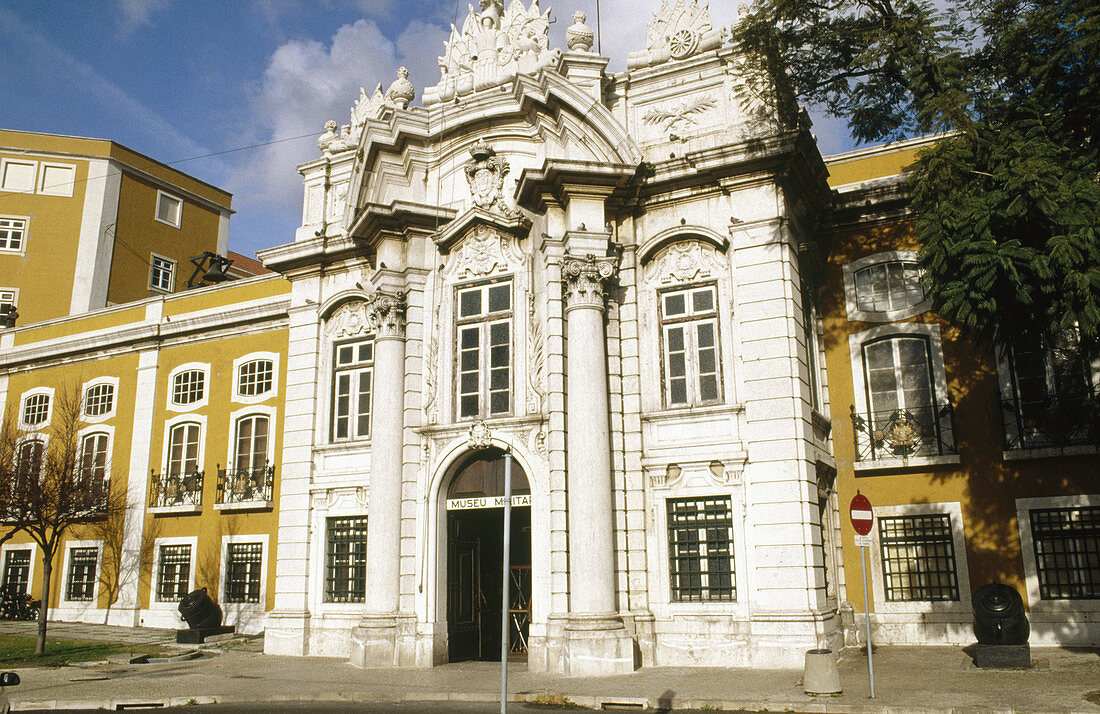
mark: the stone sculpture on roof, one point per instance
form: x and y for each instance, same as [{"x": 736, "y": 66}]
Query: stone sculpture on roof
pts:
[
  {"x": 493, "y": 46},
  {"x": 679, "y": 30}
]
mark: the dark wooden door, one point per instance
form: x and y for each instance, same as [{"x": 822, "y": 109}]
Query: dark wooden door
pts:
[{"x": 464, "y": 596}]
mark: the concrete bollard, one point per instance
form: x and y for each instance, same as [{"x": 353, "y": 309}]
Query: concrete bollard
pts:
[{"x": 822, "y": 676}]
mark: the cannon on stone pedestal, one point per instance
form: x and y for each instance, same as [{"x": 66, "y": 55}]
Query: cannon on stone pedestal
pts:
[
  {"x": 1001, "y": 627},
  {"x": 203, "y": 618}
]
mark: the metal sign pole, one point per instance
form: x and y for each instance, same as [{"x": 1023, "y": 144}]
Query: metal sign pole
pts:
[
  {"x": 866, "y": 618},
  {"x": 505, "y": 600}
]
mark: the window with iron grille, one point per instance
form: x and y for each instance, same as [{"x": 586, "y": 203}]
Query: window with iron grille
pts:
[
  {"x": 346, "y": 561},
  {"x": 918, "y": 558},
  {"x": 700, "y": 549},
  {"x": 17, "y": 570},
  {"x": 484, "y": 330},
  {"x": 188, "y": 386},
  {"x": 93, "y": 457},
  {"x": 12, "y": 231},
  {"x": 888, "y": 286},
  {"x": 161, "y": 273},
  {"x": 80, "y": 582},
  {"x": 689, "y": 331},
  {"x": 255, "y": 378},
  {"x": 243, "y": 564},
  {"x": 99, "y": 399},
  {"x": 353, "y": 373},
  {"x": 174, "y": 572},
  {"x": 36, "y": 409},
  {"x": 1067, "y": 552}
]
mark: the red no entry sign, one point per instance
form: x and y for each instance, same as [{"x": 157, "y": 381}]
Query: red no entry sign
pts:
[{"x": 862, "y": 516}]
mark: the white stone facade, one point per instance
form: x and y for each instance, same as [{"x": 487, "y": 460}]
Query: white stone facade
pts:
[{"x": 650, "y": 231}]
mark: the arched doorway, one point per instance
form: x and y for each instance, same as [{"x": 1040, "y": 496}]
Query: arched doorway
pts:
[{"x": 475, "y": 559}]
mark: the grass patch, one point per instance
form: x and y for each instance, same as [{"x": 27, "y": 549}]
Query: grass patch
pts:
[{"x": 18, "y": 651}]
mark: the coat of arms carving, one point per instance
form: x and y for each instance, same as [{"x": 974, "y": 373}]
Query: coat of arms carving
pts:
[{"x": 486, "y": 174}]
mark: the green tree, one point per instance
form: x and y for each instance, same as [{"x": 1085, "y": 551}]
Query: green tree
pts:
[{"x": 1008, "y": 203}]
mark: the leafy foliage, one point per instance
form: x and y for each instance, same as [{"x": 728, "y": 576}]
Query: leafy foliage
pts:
[{"x": 1008, "y": 202}]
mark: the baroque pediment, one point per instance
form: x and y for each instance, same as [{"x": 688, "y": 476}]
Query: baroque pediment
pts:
[
  {"x": 481, "y": 248},
  {"x": 684, "y": 262}
]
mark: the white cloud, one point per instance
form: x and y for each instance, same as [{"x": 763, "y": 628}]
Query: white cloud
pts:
[{"x": 138, "y": 13}]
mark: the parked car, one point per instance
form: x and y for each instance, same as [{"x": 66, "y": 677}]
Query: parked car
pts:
[{"x": 7, "y": 679}]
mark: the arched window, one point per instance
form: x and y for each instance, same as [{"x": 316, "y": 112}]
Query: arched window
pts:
[
  {"x": 94, "y": 457},
  {"x": 251, "y": 442},
  {"x": 29, "y": 458},
  {"x": 183, "y": 449},
  {"x": 36, "y": 409}
]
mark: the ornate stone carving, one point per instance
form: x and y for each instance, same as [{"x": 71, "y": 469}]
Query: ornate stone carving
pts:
[
  {"x": 481, "y": 253},
  {"x": 538, "y": 438},
  {"x": 401, "y": 91},
  {"x": 579, "y": 36},
  {"x": 683, "y": 262},
  {"x": 361, "y": 496},
  {"x": 350, "y": 319},
  {"x": 485, "y": 173},
  {"x": 333, "y": 142},
  {"x": 535, "y": 375},
  {"x": 429, "y": 375},
  {"x": 679, "y": 30},
  {"x": 686, "y": 113},
  {"x": 493, "y": 46},
  {"x": 480, "y": 436},
  {"x": 366, "y": 107},
  {"x": 584, "y": 279},
  {"x": 386, "y": 312}
]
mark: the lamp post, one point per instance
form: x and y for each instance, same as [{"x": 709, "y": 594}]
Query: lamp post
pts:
[{"x": 505, "y": 600}]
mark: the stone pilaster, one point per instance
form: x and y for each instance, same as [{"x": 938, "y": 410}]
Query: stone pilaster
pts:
[
  {"x": 596, "y": 642},
  {"x": 375, "y": 639}
]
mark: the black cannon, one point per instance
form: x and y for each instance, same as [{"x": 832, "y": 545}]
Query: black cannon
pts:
[
  {"x": 1001, "y": 627},
  {"x": 203, "y": 618}
]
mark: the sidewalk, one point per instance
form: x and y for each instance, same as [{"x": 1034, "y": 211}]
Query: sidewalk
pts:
[{"x": 907, "y": 679}]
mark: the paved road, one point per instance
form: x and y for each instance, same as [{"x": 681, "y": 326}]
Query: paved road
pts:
[{"x": 401, "y": 708}]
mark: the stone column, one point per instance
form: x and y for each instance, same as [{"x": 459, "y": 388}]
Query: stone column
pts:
[
  {"x": 374, "y": 640},
  {"x": 596, "y": 642}
]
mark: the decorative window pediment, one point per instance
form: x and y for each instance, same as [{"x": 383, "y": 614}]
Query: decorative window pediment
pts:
[{"x": 482, "y": 246}]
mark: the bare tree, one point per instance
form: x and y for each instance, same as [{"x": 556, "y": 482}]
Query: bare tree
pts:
[{"x": 53, "y": 481}]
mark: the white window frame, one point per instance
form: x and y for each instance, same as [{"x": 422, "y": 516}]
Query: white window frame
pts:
[
  {"x": 859, "y": 385},
  {"x": 55, "y": 189},
  {"x": 37, "y": 391},
  {"x": 171, "y": 606},
  {"x": 179, "y": 209},
  {"x": 110, "y": 413},
  {"x": 153, "y": 271},
  {"x": 235, "y": 416},
  {"x": 8, "y": 547},
  {"x": 98, "y": 429},
  {"x": 169, "y": 424},
  {"x": 273, "y": 357},
  {"x": 691, "y": 347},
  {"x": 69, "y": 546},
  {"x": 240, "y": 613},
  {"x": 44, "y": 438},
  {"x": 961, "y": 607},
  {"x": 484, "y": 322},
  {"x": 4, "y": 163},
  {"x": 14, "y": 292},
  {"x": 22, "y": 249},
  {"x": 1036, "y": 605},
  {"x": 849, "y": 271},
  {"x": 204, "y": 367},
  {"x": 353, "y": 436}
]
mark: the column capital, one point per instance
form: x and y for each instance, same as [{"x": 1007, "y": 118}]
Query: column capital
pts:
[
  {"x": 386, "y": 312},
  {"x": 583, "y": 280}
]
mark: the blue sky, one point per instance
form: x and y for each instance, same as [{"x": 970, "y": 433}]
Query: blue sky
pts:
[{"x": 177, "y": 79}]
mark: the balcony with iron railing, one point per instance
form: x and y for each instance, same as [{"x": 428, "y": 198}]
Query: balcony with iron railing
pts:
[
  {"x": 175, "y": 493},
  {"x": 1054, "y": 422},
  {"x": 904, "y": 437},
  {"x": 242, "y": 489}
]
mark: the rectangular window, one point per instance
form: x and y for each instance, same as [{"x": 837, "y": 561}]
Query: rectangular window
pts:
[
  {"x": 346, "y": 560},
  {"x": 168, "y": 209},
  {"x": 162, "y": 273},
  {"x": 174, "y": 572},
  {"x": 351, "y": 389},
  {"x": 57, "y": 179},
  {"x": 689, "y": 330},
  {"x": 700, "y": 549},
  {"x": 18, "y": 175},
  {"x": 80, "y": 581},
  {"x": 918, "y": 558},
  {"x": 484, "y": 327},
  {"x": 12, "y": 233},
  {"x": 1067, "y": 552},
  {"x": 243, "y": 565},
  {"x": 17, "y": 571}
]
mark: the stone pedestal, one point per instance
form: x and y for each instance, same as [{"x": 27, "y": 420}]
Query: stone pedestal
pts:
[
  {"x": 597, "y": 646},
  {"x": 1002, "y": 656},
  {"x": 374, "y": 642}
]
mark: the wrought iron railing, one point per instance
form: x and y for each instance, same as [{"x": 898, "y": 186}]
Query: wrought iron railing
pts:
[
  {"x": 904, "y": 433},
  {"x": 167, "y": 490},
  {"x": 245, "y": 485},
  {"x": 1055, "y": 422}
]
